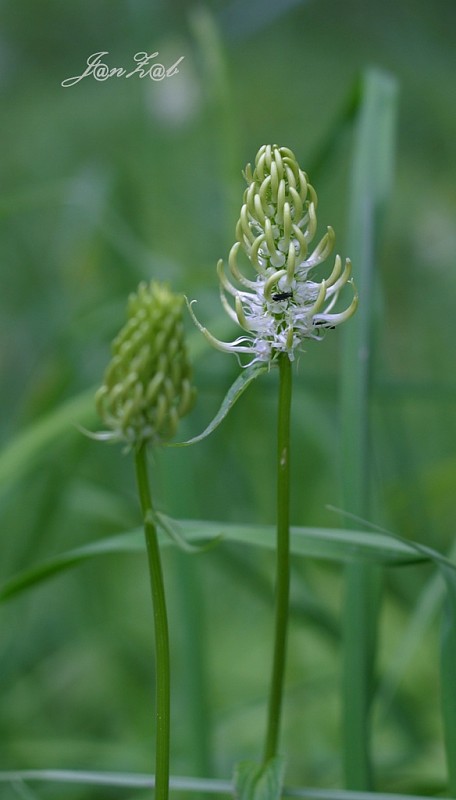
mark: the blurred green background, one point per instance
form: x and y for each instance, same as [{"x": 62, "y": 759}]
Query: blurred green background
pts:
[{"x": 104, "y": 184}]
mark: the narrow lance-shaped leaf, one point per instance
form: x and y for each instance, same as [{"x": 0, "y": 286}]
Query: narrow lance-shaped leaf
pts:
[
  {"x": 234, "y": 393},
  {"x": 332, "y": 544}
]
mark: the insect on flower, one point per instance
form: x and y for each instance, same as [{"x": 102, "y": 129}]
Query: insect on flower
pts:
[
  {"x": 277, "y": 223},
  {"x": 282, "y": 296}
]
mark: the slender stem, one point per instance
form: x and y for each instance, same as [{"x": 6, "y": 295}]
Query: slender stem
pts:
[
  {"x": 162, "y": 708},
  {"x": 282, "y": 589}
]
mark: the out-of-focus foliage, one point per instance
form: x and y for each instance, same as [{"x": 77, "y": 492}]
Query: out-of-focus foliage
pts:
[{"x": 104, "y": 184}]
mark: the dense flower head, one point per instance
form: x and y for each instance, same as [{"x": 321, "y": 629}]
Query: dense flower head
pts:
[
  {"x": 283, "y": 304},
  {"x": 147, "y": 385}
]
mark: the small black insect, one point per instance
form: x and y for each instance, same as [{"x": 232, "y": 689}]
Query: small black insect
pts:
[
  {"x": 282, "y": 295},
  {"x": 320, "y": 323}
]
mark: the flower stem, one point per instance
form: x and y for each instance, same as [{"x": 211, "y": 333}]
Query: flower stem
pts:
[
  {"x": 162, "y": 712},
  {"x": 282, "y": 589}
]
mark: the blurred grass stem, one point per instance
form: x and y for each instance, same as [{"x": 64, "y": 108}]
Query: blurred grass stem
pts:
[
  {"x": 282, "y": 589},
  {"x": 162, "y": 708},
  {"x": 371, "y": 184}
]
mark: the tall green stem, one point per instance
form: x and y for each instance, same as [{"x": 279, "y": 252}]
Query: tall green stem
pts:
[
  {"x": 282, "y": 589},
  {"x": 372, "y": 174},
  {"x": 162, "y": 712}
]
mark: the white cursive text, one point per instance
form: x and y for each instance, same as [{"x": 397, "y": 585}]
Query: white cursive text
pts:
[{"x": 143, "y": 69}]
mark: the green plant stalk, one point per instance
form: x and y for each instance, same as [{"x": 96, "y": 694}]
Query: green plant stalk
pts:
[
  {"x": 162, "y": 708},
  {"x": 282, "y": 589},
  {"x": 371, "y": 183}
]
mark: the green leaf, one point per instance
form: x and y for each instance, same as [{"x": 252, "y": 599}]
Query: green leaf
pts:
[
  {"x": 131, "y": 542},
  {"x": 234, "y": 393},
  {"x": 332, "y": 544},
  {"x": 172, "y": 528},
  {"x": 371, "y": 185},
  {"x": 254, "y": 781}
]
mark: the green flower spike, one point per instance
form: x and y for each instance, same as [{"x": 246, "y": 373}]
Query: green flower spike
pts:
[
  {"x": 146, "y": 387},
  {"x": 283, "y": 305}
]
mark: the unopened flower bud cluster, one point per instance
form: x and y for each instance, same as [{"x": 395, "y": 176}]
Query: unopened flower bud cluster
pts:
[{"x": 147, "y": 385}]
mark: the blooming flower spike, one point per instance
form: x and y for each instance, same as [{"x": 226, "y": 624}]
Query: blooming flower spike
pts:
[
  {"x": 146, "y": 387},
  {"x": 282, "y": 304}
]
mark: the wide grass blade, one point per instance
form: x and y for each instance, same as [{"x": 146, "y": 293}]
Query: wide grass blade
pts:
[
  {"x": 370, "y": 188},
  {"x": 331, "y": 544}
]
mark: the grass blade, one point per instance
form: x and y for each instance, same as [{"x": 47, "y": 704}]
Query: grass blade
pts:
[
  {"x": 331, "y": 544},
  {"x": 371, "y": 183}
]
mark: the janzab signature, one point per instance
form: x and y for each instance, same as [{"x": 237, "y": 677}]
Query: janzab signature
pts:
[{"x": 143, "y": 69}]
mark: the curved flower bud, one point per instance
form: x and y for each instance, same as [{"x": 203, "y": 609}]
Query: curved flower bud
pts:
[
  {"x": 147, "y": 385},
  {"x": 282, "y": 306}
]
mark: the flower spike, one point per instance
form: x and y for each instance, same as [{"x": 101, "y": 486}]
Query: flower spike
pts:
[
  {"x": 282, "y": 306},
  {"x": 147, "y": 385}
]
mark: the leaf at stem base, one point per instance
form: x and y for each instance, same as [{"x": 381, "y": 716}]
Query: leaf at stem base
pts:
[{"x": 254, "y": 781}]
